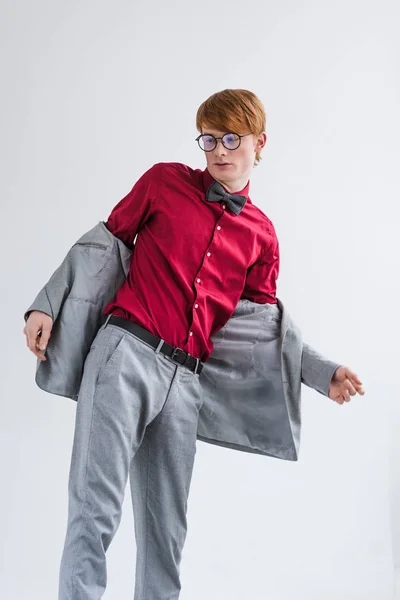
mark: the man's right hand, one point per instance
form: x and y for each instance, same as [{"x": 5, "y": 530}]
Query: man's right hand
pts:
[{"x": 37, "y": 322}]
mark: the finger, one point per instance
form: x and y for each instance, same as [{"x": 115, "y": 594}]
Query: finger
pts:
[
  {"x": 349, "y": 387},
  {"x": 358, "y": 387},
  {"x": 41, "y": 342},
  {"x": 337, "y": 397},
  {"x": 353, "y": 376},
  {"x": 40, "y": 346},
  {"x": 38, "y": 352},
  {"x": 44, "y": 337},
  {"x": 33, "y": 346},
  {"x": 345, "y": 390},
  {"x": 25, "y": 332},
  {"x": 346, "y": 395}
]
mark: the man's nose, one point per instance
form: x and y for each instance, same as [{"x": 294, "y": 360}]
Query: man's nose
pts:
[{"x": 220, "y": 148}]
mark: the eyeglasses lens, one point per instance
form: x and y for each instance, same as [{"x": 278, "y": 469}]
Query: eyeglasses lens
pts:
[{"x": 230, "y": 141}]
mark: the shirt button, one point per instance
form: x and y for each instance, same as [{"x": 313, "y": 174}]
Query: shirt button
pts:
[
  {"x": 196, "y": 305},
  {"x": 191, "y": 333},
  {"x": 208, "y": 253},
  {"x": 198, "y": 280},
  {"x": 219, "y": 227},
  {"x": 223, "y": 206}
]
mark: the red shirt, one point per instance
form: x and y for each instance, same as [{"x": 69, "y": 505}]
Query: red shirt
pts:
[{"x": 193, "y": 260}]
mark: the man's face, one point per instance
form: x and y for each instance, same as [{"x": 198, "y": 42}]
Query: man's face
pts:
[{"x": 232, "y": 167}]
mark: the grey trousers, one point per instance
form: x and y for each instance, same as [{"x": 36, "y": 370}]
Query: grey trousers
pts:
[{"x": 137, "y": 414}]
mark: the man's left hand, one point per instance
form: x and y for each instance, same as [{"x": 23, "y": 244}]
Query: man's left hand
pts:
[{"x": 344, "y": 384}]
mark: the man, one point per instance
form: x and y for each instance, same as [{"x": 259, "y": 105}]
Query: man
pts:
[{"x": 202, "y": 246}]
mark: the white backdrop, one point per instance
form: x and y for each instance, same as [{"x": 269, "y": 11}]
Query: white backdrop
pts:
[{"x": 93, "y": 94}]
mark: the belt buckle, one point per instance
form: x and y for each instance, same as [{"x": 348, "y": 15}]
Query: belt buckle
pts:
[
  {"x": 186, "y": 354},
  {"x": 176, "y": 351}
]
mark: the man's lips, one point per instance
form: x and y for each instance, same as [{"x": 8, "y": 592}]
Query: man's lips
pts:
[{"x": 222, "y": 164}]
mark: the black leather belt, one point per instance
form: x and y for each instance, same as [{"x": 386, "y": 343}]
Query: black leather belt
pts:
[{"x": 176, "y": 354}]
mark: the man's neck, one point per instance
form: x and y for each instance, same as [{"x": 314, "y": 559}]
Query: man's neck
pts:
[{"x": 233, "y": 187}]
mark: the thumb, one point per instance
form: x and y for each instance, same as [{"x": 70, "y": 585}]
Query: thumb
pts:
[{"x": 44, "y": 338}]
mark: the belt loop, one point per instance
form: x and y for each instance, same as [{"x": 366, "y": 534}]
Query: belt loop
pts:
[
  {"x": 197, "y": 365},
  {"x": 160, "y": 343},
  {"x": 106, "y": 321}
]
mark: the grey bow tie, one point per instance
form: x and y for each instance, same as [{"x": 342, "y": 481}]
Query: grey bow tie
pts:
[{"x": 216, "y": 193}]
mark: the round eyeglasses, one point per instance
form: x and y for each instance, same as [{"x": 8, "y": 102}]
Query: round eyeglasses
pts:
[{"x": 230, "y": 141}]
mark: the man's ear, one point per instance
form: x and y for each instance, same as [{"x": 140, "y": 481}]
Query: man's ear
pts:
[{"x": 262, "y": 140}]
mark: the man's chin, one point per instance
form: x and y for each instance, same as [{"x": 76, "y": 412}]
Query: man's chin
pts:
[{"x": 225, "y": 173}]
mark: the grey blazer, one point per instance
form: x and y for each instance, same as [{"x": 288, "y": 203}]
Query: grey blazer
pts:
[{"x": 251, "y": 383}]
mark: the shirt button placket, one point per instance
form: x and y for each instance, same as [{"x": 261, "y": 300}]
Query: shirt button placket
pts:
[{"x": 198, "y": 280}]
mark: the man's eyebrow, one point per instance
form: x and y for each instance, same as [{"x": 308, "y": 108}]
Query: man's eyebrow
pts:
[{"x": 208, "y": 133}]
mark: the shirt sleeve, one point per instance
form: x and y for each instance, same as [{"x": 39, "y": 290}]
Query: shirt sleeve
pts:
[
  {"x": 131, "y": 213},
  {"x": 260, "y": 286}
]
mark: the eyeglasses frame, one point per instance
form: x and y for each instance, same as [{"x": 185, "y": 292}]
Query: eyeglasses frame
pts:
[{"x": 220, "y": 138}]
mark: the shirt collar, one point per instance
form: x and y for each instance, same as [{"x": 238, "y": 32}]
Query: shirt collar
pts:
[{"x": 208, "y": 179}]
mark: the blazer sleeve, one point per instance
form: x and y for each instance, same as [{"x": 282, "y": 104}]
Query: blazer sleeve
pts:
[
  {"x": 260, "y": 285},
  {"x": 316, "y": 370},
  {"x": 132, "y": 212},
  {"x": 53, "y": 294}
]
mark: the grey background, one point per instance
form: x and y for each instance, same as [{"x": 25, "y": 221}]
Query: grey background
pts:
[{"x": 93, "y": 94}]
